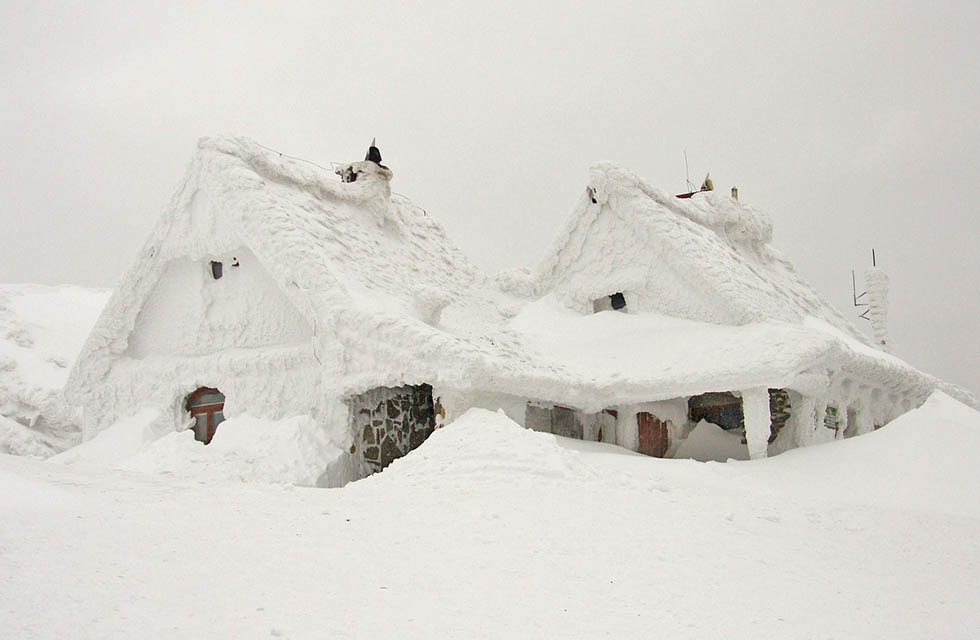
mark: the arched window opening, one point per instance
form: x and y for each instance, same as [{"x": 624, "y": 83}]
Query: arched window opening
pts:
[
  {"x": 722, "y": 408},
  {"x": 206, "y": 406}
]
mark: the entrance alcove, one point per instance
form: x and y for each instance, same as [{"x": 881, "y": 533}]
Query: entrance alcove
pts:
[{"x": 206, "y": 405}]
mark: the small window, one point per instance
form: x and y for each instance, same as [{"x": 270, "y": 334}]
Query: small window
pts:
[
  {"x": 831, "y": 419},
  {"x": 614, "y": 302},
  {"x": 723, "y": 409},
  {"x": 207, "y": 407},
  {"x": 216, "y": 270}
]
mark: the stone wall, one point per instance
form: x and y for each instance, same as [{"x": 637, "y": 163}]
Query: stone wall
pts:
[
  {"x": 780, "y": 410},
  {"x": 389, "y": 422}
]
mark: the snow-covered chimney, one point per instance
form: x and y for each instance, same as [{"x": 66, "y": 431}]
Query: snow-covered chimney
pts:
[{"x": 876, "y": 282}]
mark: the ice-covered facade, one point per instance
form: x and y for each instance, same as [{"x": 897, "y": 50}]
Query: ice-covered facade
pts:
[{"x": 652, "y": 323}]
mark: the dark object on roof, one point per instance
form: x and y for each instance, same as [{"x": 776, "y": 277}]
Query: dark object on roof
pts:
[
  {"x": 373, "y": 153},
  {"x": 618, "y": 301},
  {"x": 216, "y": 269}
]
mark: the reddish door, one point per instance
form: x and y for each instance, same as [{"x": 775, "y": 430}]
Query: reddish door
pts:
[{"x": 653, "y": 435}]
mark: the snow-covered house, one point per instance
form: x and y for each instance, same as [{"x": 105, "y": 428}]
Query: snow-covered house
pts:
[{"x": 271, "y": 288}]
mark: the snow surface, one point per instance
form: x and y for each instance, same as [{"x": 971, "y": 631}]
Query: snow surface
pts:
[
  {"x": 294, "y": 450},
  {"x": 489, "y": 531},
  {"x": 42, "y": 329},
  {"x": 710, "y": 443}
]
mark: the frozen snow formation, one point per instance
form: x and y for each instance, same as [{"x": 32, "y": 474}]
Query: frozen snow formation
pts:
[
  {"x": 877, "y": 283},
  {"x": 342, "y": 318},
  {"x": 42, "y": 329}
]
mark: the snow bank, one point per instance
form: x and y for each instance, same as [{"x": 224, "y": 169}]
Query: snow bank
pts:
[
  {"x": 42, "y": 329},
  {"x": 708, "y": 442},
  {"x": 295, "y": 450},
  {"x": 121, "y": 440},
  {"x": 18, "y": 440},
  {"x": 247, "y": 449},
  {"x": 488, "y": 530},
  {"x": 935, "y": 446},
  {"x": 485, "y": 445}
]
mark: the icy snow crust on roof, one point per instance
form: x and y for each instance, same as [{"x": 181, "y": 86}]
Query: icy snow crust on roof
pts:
[
  {"x": 392, "y": 301},
  {"x": 704, "y": 258},
  {"x": 335, "y": 249}
]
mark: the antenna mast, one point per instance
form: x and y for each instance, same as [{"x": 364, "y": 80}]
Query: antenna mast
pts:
[{"x": 687, "y": 173}]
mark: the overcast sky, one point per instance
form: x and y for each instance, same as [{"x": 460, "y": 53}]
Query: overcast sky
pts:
[{"x": 853, "y": 127}]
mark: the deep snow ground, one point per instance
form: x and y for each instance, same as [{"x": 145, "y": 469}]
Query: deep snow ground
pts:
[
  {"x": 42, "y": 329},
  {"x": 491, "y": 531}
]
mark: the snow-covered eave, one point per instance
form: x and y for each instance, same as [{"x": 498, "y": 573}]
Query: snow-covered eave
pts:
[
  {"x": 884, "y": 370},
  {"x": 414, "y": 352}
]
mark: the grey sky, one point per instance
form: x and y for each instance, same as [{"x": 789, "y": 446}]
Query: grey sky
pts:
[{"x": 854, "y": 127}]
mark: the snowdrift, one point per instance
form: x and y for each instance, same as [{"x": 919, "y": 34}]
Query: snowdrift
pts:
[
  {"x": 934, "y": 446},
  {"x": 490, "y": 530},
  {"x": 42, "y": 330},
  {"x": 245, "y": 449}
]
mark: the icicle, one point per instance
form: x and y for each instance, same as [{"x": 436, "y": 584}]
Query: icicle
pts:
[{"x": 755, "y": 409}]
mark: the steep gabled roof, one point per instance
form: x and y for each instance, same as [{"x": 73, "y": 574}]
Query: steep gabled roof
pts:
[
  {"x": 331, "y": 247},
  {"x": 705, "y": 258}
]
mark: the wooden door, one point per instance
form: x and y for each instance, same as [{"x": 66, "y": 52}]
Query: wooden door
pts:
[{"x": 653, "y": 435}]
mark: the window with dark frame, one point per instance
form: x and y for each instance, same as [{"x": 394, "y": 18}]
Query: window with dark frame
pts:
[{"x": 206, "y": 406}]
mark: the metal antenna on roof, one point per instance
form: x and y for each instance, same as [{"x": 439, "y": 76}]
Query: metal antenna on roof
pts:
[
  {"x": 857, "y": 296},
  {"x": 687, "y": 173}
]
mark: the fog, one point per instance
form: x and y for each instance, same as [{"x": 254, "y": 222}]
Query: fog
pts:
[{"x": 853, "y": 127}]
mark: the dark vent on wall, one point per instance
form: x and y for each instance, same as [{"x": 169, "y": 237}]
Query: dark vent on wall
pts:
[
  {"x": 617, "y": 301},
  {"x": 216, "y": 270}
]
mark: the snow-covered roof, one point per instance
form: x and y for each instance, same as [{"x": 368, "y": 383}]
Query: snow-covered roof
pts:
[
  {"x": 704, "y": 258},
  {"x": 391, "y": 300},
  {"x": 333, "y": 248}
]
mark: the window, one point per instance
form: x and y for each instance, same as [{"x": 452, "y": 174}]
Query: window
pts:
[
  {"x": 831, "y": 419},
  {"x": 206, "y": 406},
  {"x": 615, "y": 302},
  {"x": 216, "y": 270},
  {"x": 723, "y": 409}
]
